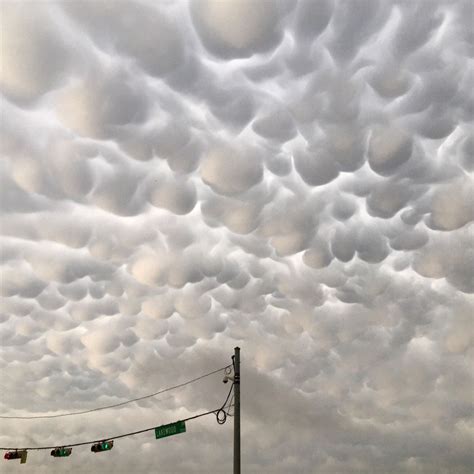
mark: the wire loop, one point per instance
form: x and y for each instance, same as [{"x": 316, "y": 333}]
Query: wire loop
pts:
[{"x": 221, "y": 416}]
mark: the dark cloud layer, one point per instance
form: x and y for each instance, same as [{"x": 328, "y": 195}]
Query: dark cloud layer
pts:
[{"x": 293, "y": 177}]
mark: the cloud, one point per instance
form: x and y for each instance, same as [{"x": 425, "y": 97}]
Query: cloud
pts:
[
  {"x": 158, "y": 49},
  {"x": 389, "y": 148},
  {"x": 82, "y": 109},
  {"x": 34, "y": 55},
  {"x": 178, "y": 197},
  {"x": 450, "y": 257},
  {"x": 387, "y": 198},
  {"x": 316, "y": 167},
  {"x": 231, "y": 169},
  {"x": 452, "y": 205},
  {"x": 253, "y": 27},
  {"x": 293, "y": 178},
  {"x": 277, "y": 126}
]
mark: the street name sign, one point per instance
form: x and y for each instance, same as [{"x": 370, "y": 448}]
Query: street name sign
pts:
[{"x": 170, "y": 430}]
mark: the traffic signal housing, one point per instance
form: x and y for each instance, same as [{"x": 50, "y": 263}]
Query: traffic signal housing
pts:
[
  {"x": 102, "y": 446},
  {"x": 61, "y": 452},
  {"x": 12, "y": 455},
  {"x": 22, "y": 454}
]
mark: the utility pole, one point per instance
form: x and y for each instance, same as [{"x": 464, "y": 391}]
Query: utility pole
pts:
[{"x": 237, "y": 410}]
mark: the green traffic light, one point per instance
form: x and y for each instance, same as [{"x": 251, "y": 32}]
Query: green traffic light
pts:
[
  {"x": 61, "y": 452},
  {"x": 103, "y": 446}
]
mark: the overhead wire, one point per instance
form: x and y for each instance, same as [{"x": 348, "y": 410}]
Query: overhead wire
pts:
[
  {"x": 132, "y": 433},
  {"x": 115, "y": 405},
  {"x": 230, "y": 405},
  {"x": 221, "y": 415},
  {"x": 106, "y": 438}
]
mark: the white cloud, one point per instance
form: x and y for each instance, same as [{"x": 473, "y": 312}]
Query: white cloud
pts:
[
  {"x": 34, "y": 56},
  {"x": 453, "y": 205},
  {"x": 254, "y": 27},
  {"x": 231, "y": 169},
  {"x": 291, "y": 177},
  {"x": 137, "y": 31},
  {"x": 389, "y": 148}
]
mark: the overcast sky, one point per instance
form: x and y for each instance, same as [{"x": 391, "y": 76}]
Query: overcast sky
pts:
[{"x": 293, "y": 177}]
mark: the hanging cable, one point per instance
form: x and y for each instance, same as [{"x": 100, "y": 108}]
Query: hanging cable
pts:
[
  {"x": 230, "y": 405},
  {"x": 221, "y": 415},
  {"x": 108, "y": 438},
  {"x": 117, "y": 404}
]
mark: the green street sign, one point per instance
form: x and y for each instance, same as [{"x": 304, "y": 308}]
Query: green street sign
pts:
[{"x": 169, "y": 430}]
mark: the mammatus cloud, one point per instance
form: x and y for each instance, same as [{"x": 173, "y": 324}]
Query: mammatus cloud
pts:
[
  {"x": 255, "y": 28},
  {"x": 291, "y": 177}
]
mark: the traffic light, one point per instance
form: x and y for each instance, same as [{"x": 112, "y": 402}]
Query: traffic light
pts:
[
  {"x": 17, "y": 455},
  {"x": 102, "y": 446},
  {"x": 12, "y": 455},
  {"x": 61, "y": 452}
]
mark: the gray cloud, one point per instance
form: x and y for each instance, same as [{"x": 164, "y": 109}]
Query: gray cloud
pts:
[
  {"x": 253, "y": 29},
  {"x": 34, "y": 56},
  {"x": 230, "y": 169},
  {"x": 158, "y": 49},
  {"x": 291, "y": 177}
]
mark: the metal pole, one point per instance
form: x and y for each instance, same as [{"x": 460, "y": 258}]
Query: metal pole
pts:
[{"x": 237, "y": 410}]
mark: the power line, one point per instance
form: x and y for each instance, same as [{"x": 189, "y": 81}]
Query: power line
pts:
[
  {"x": 221, "y": 415},
  {"x": 118, "y": 404},
  {"x": 230, "y": 405},
  {"x": 108, "y": 438},
  {"x": 219, "y": 412}
]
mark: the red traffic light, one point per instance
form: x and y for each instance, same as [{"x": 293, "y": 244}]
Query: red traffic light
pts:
[
  {"x": 102, "y": 446},
  {"x": 17, "y": 455},
  {"x": 12, "y": 455}
]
